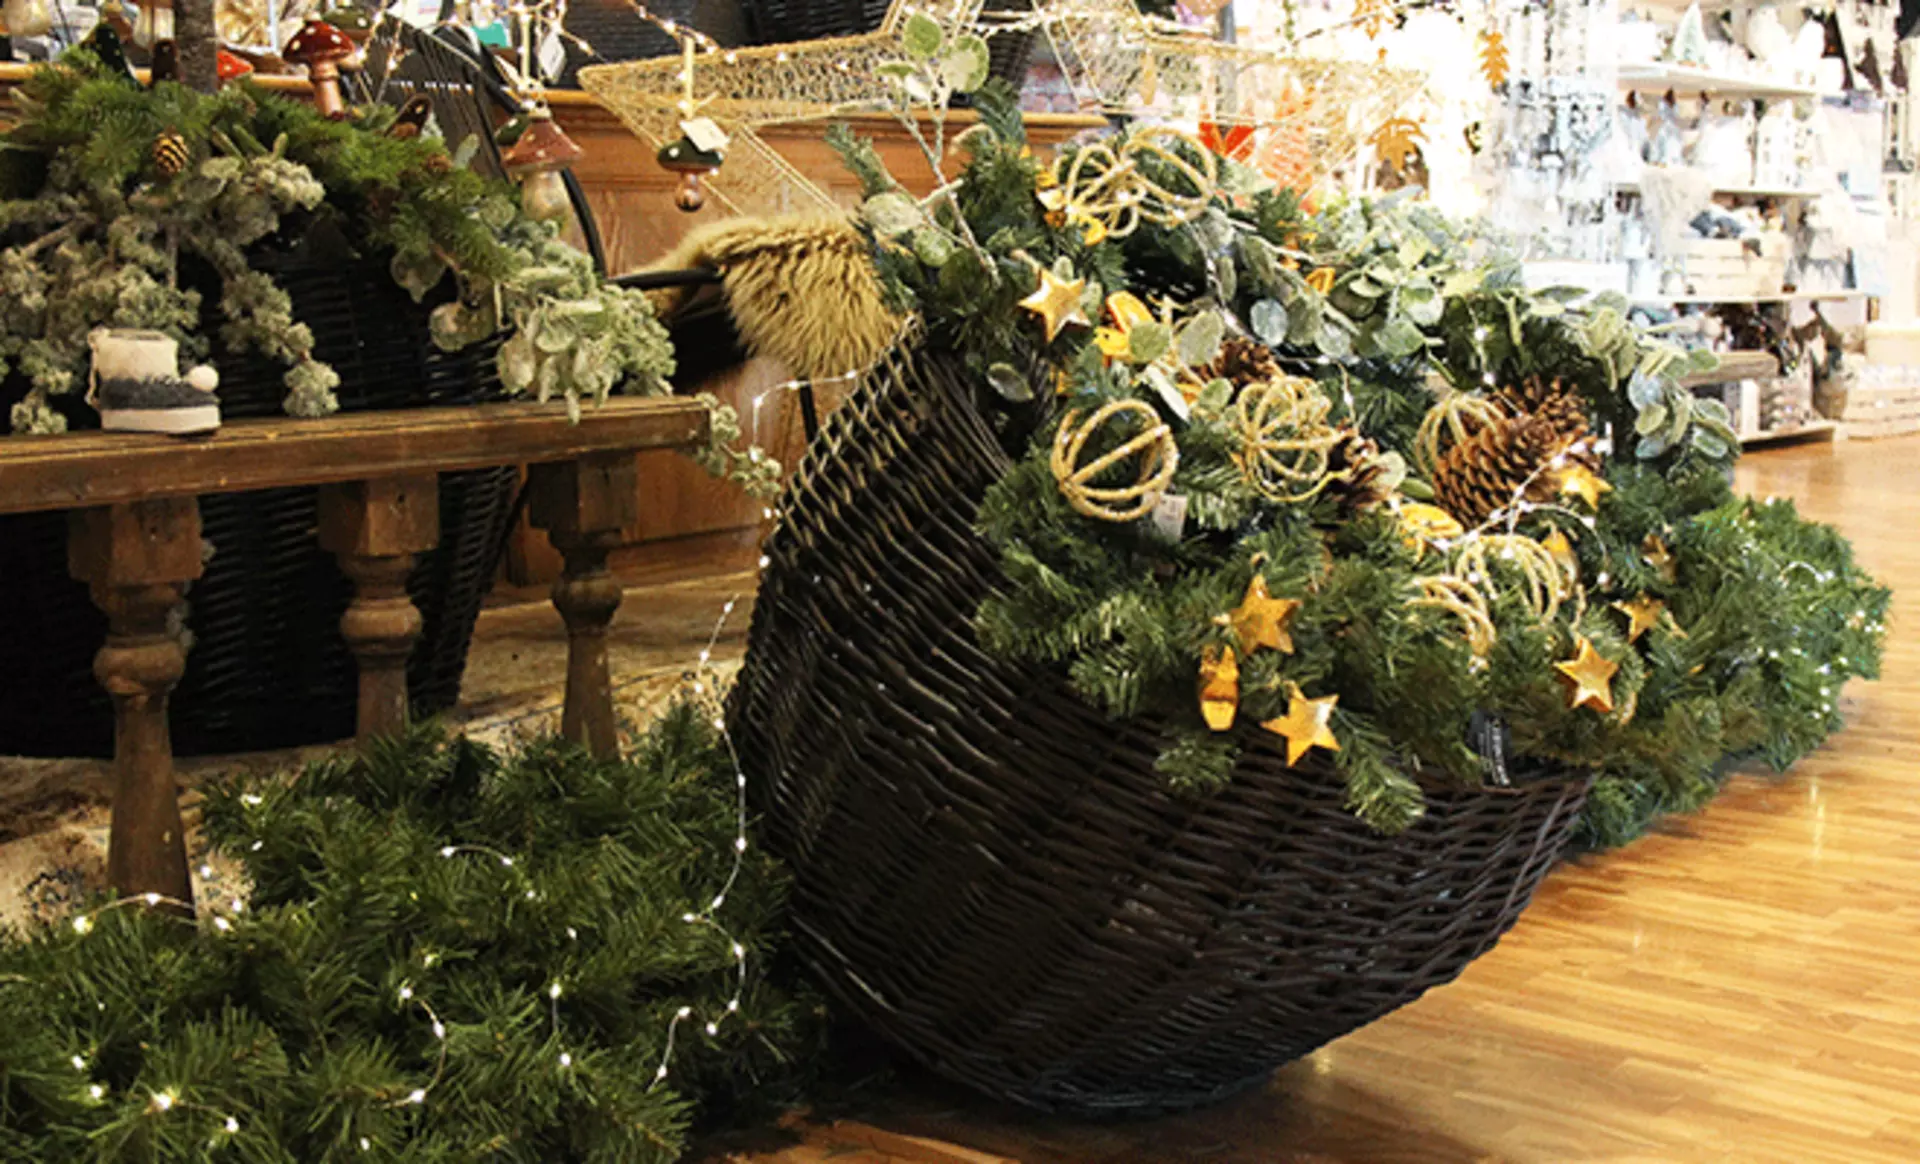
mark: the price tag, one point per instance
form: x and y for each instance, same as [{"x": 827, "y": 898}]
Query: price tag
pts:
[
  {"x": 1488, "y": 736},
  {"x": 553, "y": 56},
  {"x": 1169, "y": 516},
  {"x": 704, "y": 134}
]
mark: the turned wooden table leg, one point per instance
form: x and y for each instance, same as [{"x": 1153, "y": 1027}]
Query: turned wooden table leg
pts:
[
  {"x": 375, "y": 528},
  {"x": 137, "y": 558},
  {"x": 583, "y": 505}
]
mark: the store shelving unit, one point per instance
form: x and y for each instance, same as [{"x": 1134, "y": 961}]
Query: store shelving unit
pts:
[
  {"x": 1660, "y": 77},
  {"x": 1722, "y": 300}
]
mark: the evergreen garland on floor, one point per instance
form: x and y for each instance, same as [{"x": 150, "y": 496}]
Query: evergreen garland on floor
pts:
[
  {"x": 432, "y": 888},
  {"x": 1749, "y": 621}
]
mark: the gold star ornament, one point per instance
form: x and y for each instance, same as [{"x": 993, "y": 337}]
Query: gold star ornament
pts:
[
  {"x": 1263, "y": 620},
  {"x": 1219, "y": 687},
  {"x": 1057, "y": 302},
  {"x": 1660, "y": 557},
  {"x": 1588, "y": 677},
  {"x": 1307, "y": 725},
  {"x": 1643, "y": 614},
  {"x": 1561, "y": 551},
  {"x": 1582, "y": 482}
]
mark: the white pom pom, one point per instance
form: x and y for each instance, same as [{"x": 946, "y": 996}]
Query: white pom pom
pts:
[{"x": 204, "y": 378}]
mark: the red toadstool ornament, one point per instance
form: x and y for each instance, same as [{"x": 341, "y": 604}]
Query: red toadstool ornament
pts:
[
  {"x": 321, "y": 47},
  {"x": 230, "y": 67},
  {"x": 535, "y": 161}
]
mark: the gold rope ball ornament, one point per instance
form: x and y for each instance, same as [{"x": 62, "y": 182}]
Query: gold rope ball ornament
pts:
[
  {"x": 1308, "y": 724},
  {"x": 1102, "y": 191},
  {"x": 1463, "y": 600},
  {"x": 1285, "y": 439},
  {"x": 1543, "y": 583},
  {"x": 1056, "y": 301},
  {"x": 1158, "y": 456},
  {"x": 170, "y": 154},
  {"x": 1588, "y": 678},
  {"x": 1219, "y": 687}
]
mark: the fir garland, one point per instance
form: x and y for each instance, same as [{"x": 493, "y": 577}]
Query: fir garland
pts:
[
  {"x": 447, "y": 955},
  {"x": 1387, "y": 307},
  {"x": 97, "y": 226}
]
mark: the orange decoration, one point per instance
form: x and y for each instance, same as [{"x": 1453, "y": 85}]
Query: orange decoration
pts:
[
  {"x": 1398, "y": 142},
  {"x": 1235, "y": 141}
]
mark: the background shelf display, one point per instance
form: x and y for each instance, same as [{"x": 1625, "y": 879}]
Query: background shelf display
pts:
[{"x": 1661, "y": 77}]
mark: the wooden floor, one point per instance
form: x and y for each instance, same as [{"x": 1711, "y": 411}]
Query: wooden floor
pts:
[{"x": 1745, "y": 987}]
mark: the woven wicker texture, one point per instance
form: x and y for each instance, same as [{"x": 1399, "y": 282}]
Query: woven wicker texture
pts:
[
  {"x": 992, "y": 874},
  {"x": 268, "y": 667}
]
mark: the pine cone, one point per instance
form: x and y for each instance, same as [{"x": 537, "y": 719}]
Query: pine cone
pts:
[
  {"x": 1242, "y": 362},
  {"x": 1549, "y": 401},
  {"x": 1358, "y": 478},
  {"x": 1482, "y": 473}
]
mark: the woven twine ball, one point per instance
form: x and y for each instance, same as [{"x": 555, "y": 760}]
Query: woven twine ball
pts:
[{"x": 1158, "y": 457}]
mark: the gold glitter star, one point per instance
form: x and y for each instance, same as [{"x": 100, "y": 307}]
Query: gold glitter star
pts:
[
  {"x": 1306, "y": 725},
  {"x": 1589, "y": 678},
  {"x": 1219, "y": 687},
  {"x": 1057, "y": 302},
  {"x": 1643, "y": 614},
  {"x": 1585, "y": 484},
  {"x": 1262, "y": 620},
  {"x": 1660, "y": 557},
  {"x": 1561, "y": 550}
]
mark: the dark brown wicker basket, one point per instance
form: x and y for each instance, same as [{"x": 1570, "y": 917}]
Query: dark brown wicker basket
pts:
[
  {"x": 993, "y": 875},
  {"x": 268, "y": 667}
]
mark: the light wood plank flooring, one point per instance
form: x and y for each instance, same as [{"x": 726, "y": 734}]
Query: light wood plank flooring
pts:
[{"x": 1744, "y": 986}]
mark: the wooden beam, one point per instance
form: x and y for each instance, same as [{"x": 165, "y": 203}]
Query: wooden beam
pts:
[{"x": 76, "y": 470}]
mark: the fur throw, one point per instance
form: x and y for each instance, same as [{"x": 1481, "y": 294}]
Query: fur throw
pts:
[{"x": 801, "y": 289}]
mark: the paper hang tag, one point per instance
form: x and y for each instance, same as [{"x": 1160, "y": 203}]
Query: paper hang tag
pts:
[
  {"x": 704, "y": 134},
  {"x": 1488, "y": 736},
  {"x": 1169, "y": 516},
  {"x": 1169, "y": 392},
  {"x": 553, "y": 55}
]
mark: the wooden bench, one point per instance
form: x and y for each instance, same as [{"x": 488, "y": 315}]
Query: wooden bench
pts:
[{"x": 135, "y": 541}]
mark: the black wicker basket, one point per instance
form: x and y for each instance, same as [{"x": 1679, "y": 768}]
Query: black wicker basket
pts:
[
  {"x": 993, "y": 875},
  {"x": 268, "y": 667}
]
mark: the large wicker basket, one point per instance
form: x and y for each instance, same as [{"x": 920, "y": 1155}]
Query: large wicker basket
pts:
[
  {"x": 993, "y": 875},
  {"x": 268, "y": 667}
]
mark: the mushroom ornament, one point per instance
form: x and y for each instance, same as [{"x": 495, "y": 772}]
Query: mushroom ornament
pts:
[
  {"x": 685, "y": 157},
  {"x": 321, "y": 47},
  {"x": 535, "y": 161}
]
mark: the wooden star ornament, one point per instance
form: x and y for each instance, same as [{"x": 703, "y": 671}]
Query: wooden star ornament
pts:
[
  {"x": 1561, "y": 551},
  {"x": 1643, "y": 614},
  {"x": 1057, "y": 302},
  {"x": 1307, "y": 725},
  {"x": 1263, "y": 620},
  {"x": 1654, "y": 547},
  {"x": 1584, "y": 483},
  {"x": 1588, "y": 677},
  {"x": 1219, "y": 687}
]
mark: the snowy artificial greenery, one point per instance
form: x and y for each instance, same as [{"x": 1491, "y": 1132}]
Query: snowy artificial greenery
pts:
[
  {"x": 447, "y": 955},
  {"x": 1388, "y": 309},
  {"x": 94, "y": 231}
]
